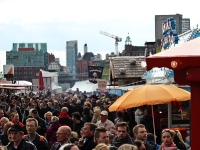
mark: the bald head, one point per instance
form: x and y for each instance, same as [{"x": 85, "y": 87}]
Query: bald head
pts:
[
  {"x": 63, "y": 134},
  {"x": 3, "y": 121}
]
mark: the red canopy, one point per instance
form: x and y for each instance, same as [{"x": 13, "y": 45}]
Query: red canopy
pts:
[{"x": 184, "y": 59}]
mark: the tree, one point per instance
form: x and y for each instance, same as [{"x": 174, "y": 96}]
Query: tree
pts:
[
  {"x": 158, "y": 49},
  {"x": 105, "y": 74},
  {"x": 1, "y": 75}
]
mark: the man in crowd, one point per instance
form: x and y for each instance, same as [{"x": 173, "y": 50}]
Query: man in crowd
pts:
[
  {"x": 104, "y": 122},
  {"x": 39, "y": 141},
  {"x": 87, "y": 143},
  {"x": 18, "y": 143},
  {"x": 140, "y": 133},
  {"x": 41, "y": 123},
  {"x": 3, "y": 121},
  {"x": 63, "y": 135},
  {"x": 122, "y": 136},
  {"x": 77, "y": 123}
]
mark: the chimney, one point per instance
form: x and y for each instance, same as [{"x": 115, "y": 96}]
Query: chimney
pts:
[{"x": 85, "y": 48}]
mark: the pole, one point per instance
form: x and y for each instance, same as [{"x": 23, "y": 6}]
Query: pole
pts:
[
  {"x": 154, "y": 132},
  {"x": 169, "y": 115}
]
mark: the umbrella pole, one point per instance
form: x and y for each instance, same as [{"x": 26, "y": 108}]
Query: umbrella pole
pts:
[{"x": 154, "y": 132}]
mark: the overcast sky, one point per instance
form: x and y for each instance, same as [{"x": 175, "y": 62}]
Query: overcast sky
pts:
[{"x": 56, "y": 21}]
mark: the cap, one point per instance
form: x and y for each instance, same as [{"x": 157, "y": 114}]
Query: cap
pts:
[
  {"x": 16, "y": 128},
  {"x": 104, "y": 112},
  {"x": 34, "y": 111},
  {"x": 54, "y": 119}
]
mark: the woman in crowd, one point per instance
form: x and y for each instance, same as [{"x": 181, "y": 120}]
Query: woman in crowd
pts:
[
  {"x": 51, "y": 131},
  {"x": 4, "y": 137},
  {"x": 178, "y": 140},
  {"x": 15, "y": 119},
  {"x": 97, "y": 115},
  {"x": 47, "y": 117},
  {"x": 128, "y": 147},
  {"x": 167, "y": 140},
  {"x": 101, "y": 146}
]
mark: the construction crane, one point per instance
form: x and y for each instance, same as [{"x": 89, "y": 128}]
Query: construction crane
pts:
[{"x": 117, "y": 39}]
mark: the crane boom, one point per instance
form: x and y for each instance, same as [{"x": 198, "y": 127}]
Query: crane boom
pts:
[{"x": 117, "y": 39}]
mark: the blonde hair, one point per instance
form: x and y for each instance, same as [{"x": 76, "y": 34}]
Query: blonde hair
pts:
[
  {"x": 178, "y": 134},
  {"x": 32, "y": 119},
  {"x": 101, "y": 146},
  {"x": 128, "y": 147},
  {"x": 3, "y": 148},
  {"x": 94, "y": 119},
  {"x": 74, "y": 134},
  {"x": 7, "y": 126},
  {"x": 48, "y": 112}
]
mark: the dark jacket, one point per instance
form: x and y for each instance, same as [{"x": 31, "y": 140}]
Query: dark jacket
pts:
[
  {"x": 4, "y": 139},
  {"x": 118, "y": 142},
  {"x": 64, "y": 119},
  {"x": 42, "y": 129},
  {"x": 89, "y": 144},
  {"x": 24, "y": 145},
  {"x": 55, "y": 146},
  {"x": 147, "y": 121},
  {"x": 77, "y": 127},
  {"x": 51, "y": 133},
  {"x": 149, "y": 146},
  {"x": 40, "y": 144}
]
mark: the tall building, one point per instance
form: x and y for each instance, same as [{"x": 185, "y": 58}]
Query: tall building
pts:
[
  {"x": 181, "y": 24},
  {"x": 71, "y": 55},
  {"x": 28, "y": 59},
  {"x": 185, "y": 24}
]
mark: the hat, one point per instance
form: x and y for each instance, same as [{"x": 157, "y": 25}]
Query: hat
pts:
[
  {"x": 104, "y": 112},
  {"x": 16, "y": 128},
  {"x": 54, "y": 119},
  {"x": 34, "y": 111}
]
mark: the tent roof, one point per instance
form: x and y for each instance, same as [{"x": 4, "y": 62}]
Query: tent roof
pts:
[
  {"x": 179, "y": 57},
  {"x": 85, "y": 86},
  {"x": 48, "y": 74}
]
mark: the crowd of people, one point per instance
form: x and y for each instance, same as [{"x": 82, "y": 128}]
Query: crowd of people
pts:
[{"x": 76, "y": 121}]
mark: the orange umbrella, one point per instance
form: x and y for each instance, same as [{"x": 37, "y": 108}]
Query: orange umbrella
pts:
[{"x": 150, "y": 95}]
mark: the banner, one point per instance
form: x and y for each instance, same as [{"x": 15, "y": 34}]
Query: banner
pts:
[
  {"x": 94, "y": 73},
  {"x": 102, "y": 84}
]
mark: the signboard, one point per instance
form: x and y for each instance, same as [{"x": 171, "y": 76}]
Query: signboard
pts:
[
  {"x": 102, "y": 84},
  {"x": 94, "y": 73},
  {"x": 169, "y": 33},
  {"x": 8, "y": 69}
]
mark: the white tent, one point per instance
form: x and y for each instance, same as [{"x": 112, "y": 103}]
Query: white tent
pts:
[{"x": 85, "y": 86}]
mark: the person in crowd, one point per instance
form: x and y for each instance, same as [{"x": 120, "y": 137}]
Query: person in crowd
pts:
[
  {"x": 3, "y": 148},
  {"x": 15, "y": 119},
  {"x": 44, "y": 109},
  {"x": 97, "y": 115},
  {"x": 140, "y": 145},
  {"x": 69, "y": 147},
  {"x": 41, "y": 130},
  {"x": 87, "y": 142},
  {"x": 48, "y": 116},
  {"x": 139, "y": 114},
  {"x": 122, "y": 136},
  {"x": 77, "y": 122},
  {"x": 128, "y": 147},
  {"x": 104, "y": 122},
  {"x": 67, "y": 104},
  {"x": 151, "y": 140},
  {"x": 39, "y": 141},
  {"x": 147, "y": 120},
  {"x": 178, "y": 140},
  {"x": 74, "y": 134},
  {"x": 3, "y": 121},
  {"x": 167, "y": 140},
  {"x": 119, "y": 117},
  {"x": 4, "y": 136},
  {"x": 140, "y": 133},
  {"x": 51, "y": 131},
  {"x": 101, "y": 146},
  {"x": 56, "y": 106},
  {"x": 64, "y": 118},
  {"x": 63, "y": 135},
  {"x": 77, "y": 107},
  {"x": 18, "y": 143},
  {"x": 74, "y": 140},
  {"x": 87, "y": 115},
  {"x": 27, "y": 111}
]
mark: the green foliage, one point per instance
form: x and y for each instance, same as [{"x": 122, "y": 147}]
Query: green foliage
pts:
[
  {"x": 1, "y": 75},
  {"x": 158, "y": 49}
]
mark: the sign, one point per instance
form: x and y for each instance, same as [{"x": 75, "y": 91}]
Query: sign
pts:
[
  {"x": 102, "y": 84},
  {"x": 94, "y": 73}
]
